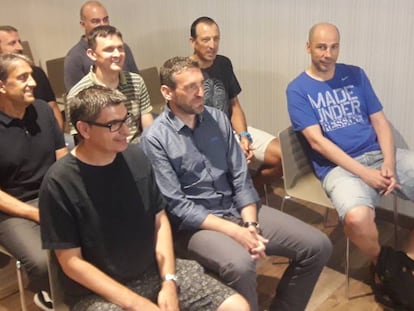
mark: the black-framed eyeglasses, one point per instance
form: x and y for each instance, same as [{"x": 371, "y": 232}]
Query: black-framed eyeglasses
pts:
[{"x": 115, "y": 125}]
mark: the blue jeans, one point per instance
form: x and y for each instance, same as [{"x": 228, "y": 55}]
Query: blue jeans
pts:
[{"x": 347, "y": 190}]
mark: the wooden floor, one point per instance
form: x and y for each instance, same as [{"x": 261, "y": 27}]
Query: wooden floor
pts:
[{"x": 329, "y": 293}]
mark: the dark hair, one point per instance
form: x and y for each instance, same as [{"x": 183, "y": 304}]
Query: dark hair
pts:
[
  {"x": 202, "y": 19},
  {"x": 173, "y": 66},
  {"x": 7, "y": 28},
  {"x": 89, "y": 103},
  {"x": 7, "y": 62},
  {"x": 102, "y": 31}
]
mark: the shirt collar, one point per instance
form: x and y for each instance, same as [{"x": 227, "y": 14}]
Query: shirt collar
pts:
[
  {"x": 177, "y": 123},
  {"x": 122, "y": 78},
  {"x": 29, "y": 115},
  {"x": 4, "y": 118}
]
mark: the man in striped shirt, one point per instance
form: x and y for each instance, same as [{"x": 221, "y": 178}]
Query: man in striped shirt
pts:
[{"x": 106, "y": 49}]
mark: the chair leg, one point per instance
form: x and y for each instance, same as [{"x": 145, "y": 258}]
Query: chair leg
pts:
[
  {"x": 347, "y": 269},
  {"x": 285, "y": 198},
  {"x": 395, "y": 210},
  {"x": 21, "y": 286},
  {"x": 266, "y": 194}
]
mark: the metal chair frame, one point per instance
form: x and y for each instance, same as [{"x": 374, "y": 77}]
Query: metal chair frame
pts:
[{"x": 19, "y": 273}]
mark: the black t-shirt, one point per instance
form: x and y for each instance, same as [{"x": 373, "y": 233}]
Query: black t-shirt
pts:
[
  {"x": 108, "y": 211},
  {"x": 28, "y": 149},
  {"x": 43, "y": 89},
  {"x": 220, "y": 84}
]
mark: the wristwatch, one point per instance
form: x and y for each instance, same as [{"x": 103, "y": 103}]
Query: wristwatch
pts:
[
  {"x": 172, "y": 277},
  {"x": 255, "y": 224}
]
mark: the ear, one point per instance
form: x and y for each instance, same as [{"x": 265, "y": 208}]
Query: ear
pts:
[
  {"x": 166, "y": 92},
  {"x": 308, "y": 46},
  {"x": 91, "y": 54},
  {"x": 83, "y": 129},
  {"x": 2, "y": 87},
  {"x": 192, "y": 41}
]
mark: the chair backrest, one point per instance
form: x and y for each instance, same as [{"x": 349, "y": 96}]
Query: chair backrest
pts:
[
  {"x": 152, "y": 82},
  {"x": 55, "y": 285},
  {"x": 55, "y": 74},
  {"x": 26, "y": 49},
  {"x": 295, "y": 160},
  {"x": 298, "y": 174}
]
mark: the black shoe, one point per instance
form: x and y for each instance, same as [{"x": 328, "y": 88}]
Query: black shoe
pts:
[
  {"x": 43, "y": 301},
  {"x": 393, "y": 280}
]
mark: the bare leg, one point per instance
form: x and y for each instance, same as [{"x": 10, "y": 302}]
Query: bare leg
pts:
[
  {"x": 271, "y": 168},
  {"x": 361, "y": 229},
  {"x": 409, "y": 246},
  {"x": 235, "y": 302}
]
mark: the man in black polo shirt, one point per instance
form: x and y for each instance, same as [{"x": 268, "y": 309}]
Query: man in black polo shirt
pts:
[
  {"x": 10, "y": 42},
  {"x": 31, "y": 141}
]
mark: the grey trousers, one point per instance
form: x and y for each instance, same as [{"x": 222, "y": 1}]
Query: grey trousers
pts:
[
  {"x": 308, "y": 248},
  {"x": 21, "y": 237}
]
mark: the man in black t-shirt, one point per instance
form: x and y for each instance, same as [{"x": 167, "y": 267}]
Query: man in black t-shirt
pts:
[
  {"x": 103, "y": 215},
  {"x": 221, "y": 88}
]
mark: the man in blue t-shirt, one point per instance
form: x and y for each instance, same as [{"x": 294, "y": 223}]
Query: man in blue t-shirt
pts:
[{"x": 335, "y": 107}]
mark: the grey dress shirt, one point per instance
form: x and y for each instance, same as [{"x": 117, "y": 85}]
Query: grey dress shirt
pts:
[{"x": 201, "y": 171}]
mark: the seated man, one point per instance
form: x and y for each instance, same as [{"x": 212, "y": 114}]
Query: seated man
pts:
[
  {"x": 106, "y": 50},
  {"x": 221, "y": 88},
  {"x": 10, "y": 43},
  {"x": 212, "y": 203},
  {"x": 31, "y": 141},
  {"x": 103, "y": 215},
  {"x": 353, "y": 152},
  {"x": 77, "y": 63}
]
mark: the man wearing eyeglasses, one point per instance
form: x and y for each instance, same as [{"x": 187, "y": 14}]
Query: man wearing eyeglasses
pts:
[
  {"x": 103, "y": 215},
  {"x": 212, "y": 203},
  {"x": 107, "y": 51},
  {"x": 77, "y": 63}
]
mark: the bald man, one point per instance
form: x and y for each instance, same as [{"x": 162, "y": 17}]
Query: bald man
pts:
[
  {"x": 352, "y": 149},
  {"x": 77, "y": 63}
]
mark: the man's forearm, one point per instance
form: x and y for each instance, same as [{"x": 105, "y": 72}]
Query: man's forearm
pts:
[
  {"x": 385, "y": 137},
  {"x": 249, "y": 213},
  {"x": 238, "y": 118},
  {"x": 146, "y": 120},
  {"x": 13, "y": 206},
  {"x": 331, "y": 151},
  {"x": 164, "y": 250},
  {"x": 219, "y": 224},
  {"x": 100, "y": 283}
]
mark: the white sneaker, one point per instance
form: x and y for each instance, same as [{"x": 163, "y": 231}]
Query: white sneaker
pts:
[{"x": 43, "y": 301}]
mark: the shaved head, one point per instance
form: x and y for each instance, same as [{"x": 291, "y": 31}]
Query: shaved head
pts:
[{"x": 321, "y": 26}]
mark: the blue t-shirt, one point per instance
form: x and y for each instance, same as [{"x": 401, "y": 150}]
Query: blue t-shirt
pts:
[{"x": 341, "y": 106}]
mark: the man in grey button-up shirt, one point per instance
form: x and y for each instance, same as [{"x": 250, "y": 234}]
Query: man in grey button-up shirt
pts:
[{"x": 203, "y": 174}]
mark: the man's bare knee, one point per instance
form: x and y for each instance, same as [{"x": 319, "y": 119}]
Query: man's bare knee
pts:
[
  {"x": 359, "y": 219},
  {"x": 235, "y": 302}
]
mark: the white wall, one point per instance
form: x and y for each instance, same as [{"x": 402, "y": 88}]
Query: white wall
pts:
[{"x": 264, "y": 38}]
